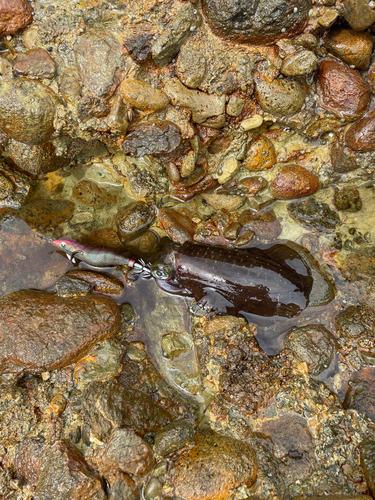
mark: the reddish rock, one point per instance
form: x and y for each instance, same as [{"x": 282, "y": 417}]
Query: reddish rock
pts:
[
  {"x": 343, "y": 159},
  {"x": 266, "y": 226},
  {"x": 36, "y": 63},
  {"x": 127, "y": 452},
  {"x": 103, "y": 283},
  {"x": 40, "y": 331},
  {"x": 124, "y": 488},
  {"x": 261, "y": 155},
  {"x": 361, "y": 393},
  {"x": 342, "y": 90},
  {"x": 352, "y": 47},
  {"x": 65, "y": 475},
  {"x": 294, "y": 181},
  {"x": 213, "y": 468},
  {"x": 14, "y": 15},
  {"x": 178, "y": 227},
  {"x": 132, "y": 220},
  {"x": 27, "y": 460},
  {"x": 361, "y": 135}
]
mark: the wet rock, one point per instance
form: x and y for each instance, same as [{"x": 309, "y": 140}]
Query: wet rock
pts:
[
  {"x": 355, "y": 321},
  {"x": 109, "y": 405},
  {"x": 343, "y": 159},
  {"x": 175, "y": 34},
  {"x": 124, "y": 488},
  {"x": 36, "y": 63},
  {"x": 251, "y": 123},
  {"x": 173, "y": 437},
  {"x": 45, "y": 214},
  {"x": 361, "y": 135},
  {"x": 224, "y": 201},
  {"x": 27, "y": 460},
  {"x": 367, "y": 449},
  {"x": 213, "y": 468},
  {"x": 261, "y": 156},
  {"x": 183, "y": 193},
  {"x": 6, "y": 187},
  {"x": 92, "y": 107},
  {"x": 314, "y": 214},
  {"x": 227, "y": 170},
  {"x": 259, "y": 23},
  {"x": 65, "y": 475},
  {"x": 306, "y": 40},
  {"x": 90, "y": 194},
  {"x": 358, "y": 14},
  {"x": 71, "y": 325},
  {"x": 118, "y": 117},
  {"x": 132, "y": 220},
  {"x": 299, "y": 63},
  {"x": 352, "y": 47},
  {"x": 70, "y": 287},
  {"x": 191, "y": 67},
  {"x": 138, "y": 42},
  {"x": 34, "y": 159},
  {"x": 103, "y": 362},
  {"x": 361, "y": 392},
  {"x": 348, "y": 199},
  {"x": 92, "y": 52},
  {"x": 294, "y": 181},
  {"x": 157, "y": 138},
  {"x": 127, "y": 452},
  {"x": 141, "y": 95},
  {"x": 203, "y": 106},
  {"x": 266, "y": 225},
  {"x": 70, "y": 85},
  {"x": 342, "y": 90},
  {"x": 314, "y": 345},
  {"x": 153, "y": 488},
  {"x": 281, "y": 97},
  {"x": 27, "y": 110},
  {"x": 235, "y": 106},
  {"x": 359, "y": 265},
  {"x": 174, "y": 344},
  {"x": 101, "y": 282},
  {"x": 178, "y": 227},
  {"x": 14, "y": 15}
]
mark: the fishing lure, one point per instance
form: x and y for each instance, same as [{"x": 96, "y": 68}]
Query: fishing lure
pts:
[{"x": 95, "y": 256}]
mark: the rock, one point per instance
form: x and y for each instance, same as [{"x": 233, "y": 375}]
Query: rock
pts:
[
  {"x": 261, "y": 155},
  {"x": 251, "y": 123},
  {"x": 153, "y": 488},
  {"x": 36, "y": 63},
  {"x": 70, "y": 287},
  {"x": 27, "y": 110},
  {"x": 101, "y": 282},
  {"x": 360, "y": 395},
  {"x": 65, "y": 475},
  {"x": 6, "y": 187},
  {"x": 235, "y": 106},
  {"x": 124, "y": 488},
  {"x": 173, "y": 437},
  {"x": 178, "y": 227},
  {"x": 294, "y": 181},
  {"x": 352, "y": 47},
  {"x": 141, "y": 95},
  {"x": 107, "y": 406},
  {"x": 265, "y": 225},
  {"x": 203, "y": 106},
  {"x": 27, "y": 460},
  {"x": 306, "y": 40},
  {"x": 213, "y": 468},
  {"x": 252, "y": 185},
  {"x": 92, "y": 107},
  {"x": 328, "y": 18},
  {"x": 342, "y": 91},
  {"x": 314, "y": 214},
  {"x": 314, "y": 345},
  {"x": 72, "y": 327},
  {"x": 227, "y": 170},
  {"x": 118, "y": 117},
  {"x": 224, "y": 201},
  {"x": 361, "y": 135},
  {"x": 127, "y": 452},
  {"x": 58, "y": 404},
  {"x": 175, "y": 34},
  {"x": 44, "y": 214},
  {"x": 90, "y": 194},
  {"x": 191, "y": 68},
  {"x": 348, "y": 199},
  {"x": 358, "y": 14},
  {"x": 343, "y": 159},
  {"x": 93, "y": 52},
  {"x": 103, "y": 362},
  {"x": 299, "y": 63},
  {"x": 70, "y": 85},
  {"x": 367, "y": 449},
  {"x": 280, "y": 97},
  {"x": 173, "y": 344},
  {"x": 138, "y": 42},
  {"x": 14, "y": 15},
  {"x": 355, "y": 321},
  {"x": 156, "y": 138},
  {"x": 132, "y": 220},
  {"x": 258, "y": 23},
  {"x": 34, "y": 159}
]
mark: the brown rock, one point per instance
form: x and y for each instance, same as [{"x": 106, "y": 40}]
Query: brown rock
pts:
[
  {"x": 265, "y": 225},
  {"x": 27, "y": 460},
  {"x": 50, "y": 332},
  {"x": 361, "y": 135},
  {"x": 342, "y": 90},
  {"x": 213, "y": 468},
  {"x": 45, "y": 214},
  {"x": 156, "y": 138},
  {"x": 141, "y": 95},
  {"x": 280, "y": 97},
  {"x": 65, "y": 475},
  {"x": 352, "y": 47},
  {"x": 36, "y": 63},
  {"x": 91, "y": 195},
  {"x": 343, "y": 159},
  {"x": 178, "y": 227},
  {"x": 367, "y": 454},
  {"x": 14, "y": 15},
  {"x": 103, "y": 283},
  {"x": 124, "y": 488},
  {"x": 358, "y": 14},
  {"x": 132, "y": 220},
  {"x": 70, "y": 85},
  {"x": 261, "y": 155},
  {"x": 127, "y": 452},
  {"x": 361, "y": 392},
  {"x": 299, "y": 63},
  {"x": 348, "y": 199},
  {"x": 294, "y": 181}
]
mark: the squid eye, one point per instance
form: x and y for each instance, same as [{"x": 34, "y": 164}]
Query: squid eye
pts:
[{"x": 160, "y": 275}]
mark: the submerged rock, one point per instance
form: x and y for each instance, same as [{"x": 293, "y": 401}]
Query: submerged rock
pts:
[
  {"x": 36, "y": 63},
  {"x": 280, "y": 97},
  {"x": 132, "y": 220},
  {"x": 14, "y": 15},
  {"x": 155, "y": 138},
  {"x": 314, "y": 214},
  {"x": 294, "y": 181}
]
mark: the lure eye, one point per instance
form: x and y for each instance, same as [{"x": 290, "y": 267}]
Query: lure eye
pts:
[
  {"x": 160, "y": 275},
  {"x": 63, "y": 245}
]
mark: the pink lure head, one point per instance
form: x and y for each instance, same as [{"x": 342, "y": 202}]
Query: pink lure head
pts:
[{"x": 67, "y": 246}]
